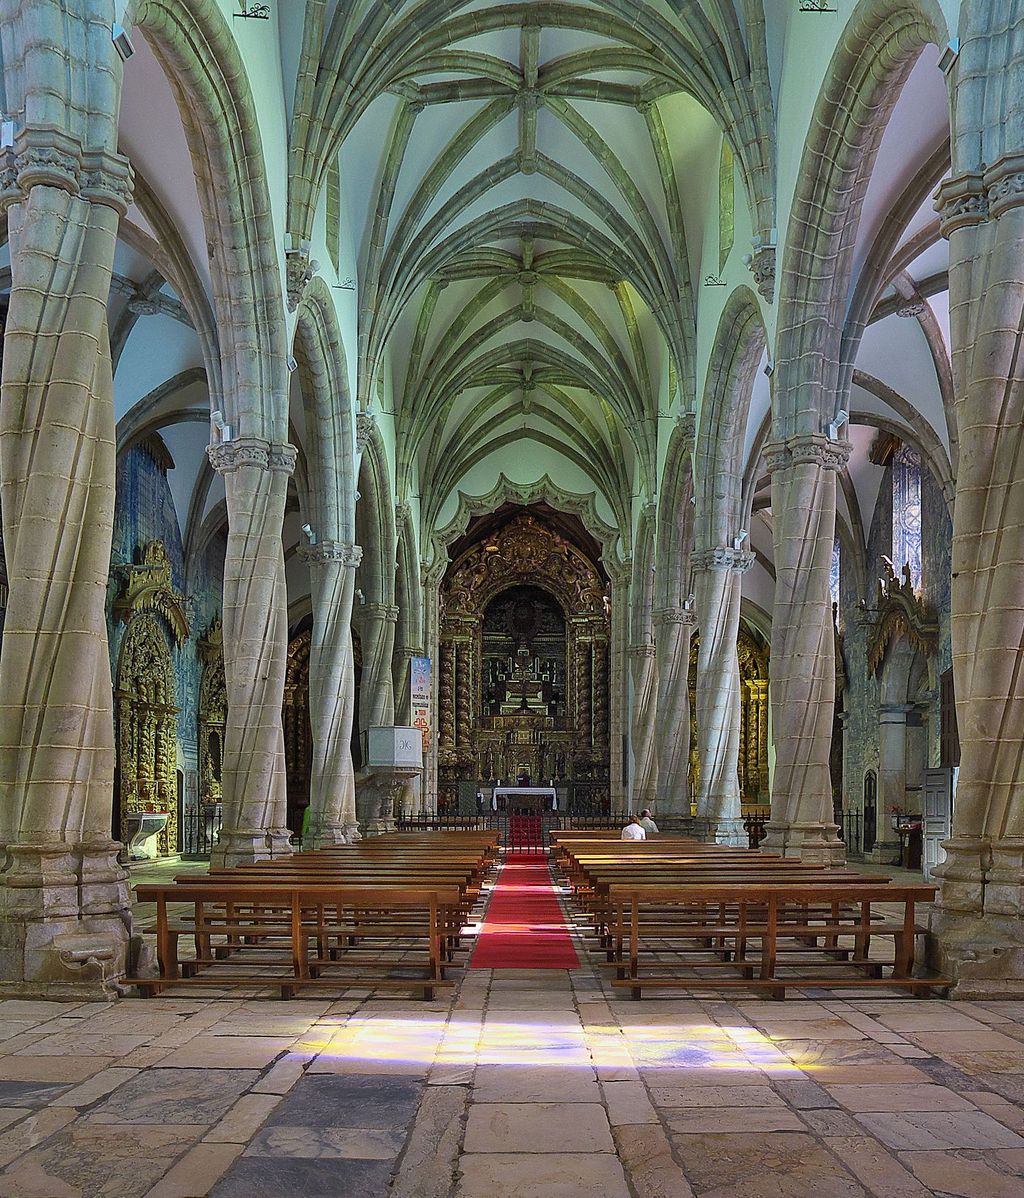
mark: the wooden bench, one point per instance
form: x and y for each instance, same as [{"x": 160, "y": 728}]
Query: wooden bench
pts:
[
  {"x": 455, "y": 916},
  {"x": 245, "y": 929},
  {"x": 747, "y": 932},
  {"x": 596, "y": 901}
]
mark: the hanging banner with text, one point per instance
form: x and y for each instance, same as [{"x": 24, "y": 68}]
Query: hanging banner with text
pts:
[{"x": 419, "y": 686}]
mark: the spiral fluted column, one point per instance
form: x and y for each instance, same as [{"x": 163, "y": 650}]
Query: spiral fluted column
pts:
[
  {"x": 979, "y": 923},
  {"x": 803, "y": 471},
  {"x": 64, "y": 189},
  {"x": 674, "y": 631},
  {"x": 644, "y": 671},
  {"x": 332, "y": 569},
  {"x": 256, "y": 477},
  {"x": 377, "y": 623},
  {"x": 718, "y": 576}
]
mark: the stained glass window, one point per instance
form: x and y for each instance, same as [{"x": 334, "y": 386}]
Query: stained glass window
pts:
[
  {"x": 833, "y": 582},
  {"x": 906, "y": 512}
]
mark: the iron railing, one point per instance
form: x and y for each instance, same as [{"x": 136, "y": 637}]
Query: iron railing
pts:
[
  {"x": 200, "y": 830},
  {"x": 442, "y": 823},
  {"x": 851, "y": 830},
  {"x": 755, "y": 826},
  {"x": 582, "y": 821}
]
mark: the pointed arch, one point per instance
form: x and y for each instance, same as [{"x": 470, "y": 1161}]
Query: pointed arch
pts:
[
  {"x": 675, "y": 518},
  {"x": 192, "y": 42},
  {"x": 375, "y": 518},
  {"x": 327, "y": 401},
  {"x": 739, "y": 344},
  {"x": 880, "y": 45}
]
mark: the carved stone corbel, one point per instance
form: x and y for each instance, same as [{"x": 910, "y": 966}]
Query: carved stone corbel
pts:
[
  {"x": 300, "y": 270},
  {"x": 807, "y": 448},
  {"x": 229, "y": 456},
  {"x": 343, "y": 552}
]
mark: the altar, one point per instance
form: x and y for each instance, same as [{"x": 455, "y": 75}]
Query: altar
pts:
[{"x": 520, "y": 799}]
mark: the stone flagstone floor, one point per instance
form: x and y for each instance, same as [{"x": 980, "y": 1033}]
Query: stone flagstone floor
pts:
[
  {"x": 537, "y": 1085},
  {"x": 519, "y": 1084}
]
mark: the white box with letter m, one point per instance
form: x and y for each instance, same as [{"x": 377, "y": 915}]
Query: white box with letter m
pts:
[{"x": 393, "y": 747}]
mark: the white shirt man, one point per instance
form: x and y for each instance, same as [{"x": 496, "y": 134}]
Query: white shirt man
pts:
[
  {"x": 633, "y": 830},
  {"x": 648, "y": 824}
]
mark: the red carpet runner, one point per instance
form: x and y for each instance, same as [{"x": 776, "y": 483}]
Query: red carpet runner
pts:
[{"x": 524, "y": 927}]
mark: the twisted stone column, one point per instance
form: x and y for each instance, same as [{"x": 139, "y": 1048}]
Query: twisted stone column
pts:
[
  {"x": 377, "y": 623},
  {"x": 446, "y": 697},
  {"x": 718, "y": 576},
  {"x": 411, "y": 797},
  {"x": 63, "y": 194},
  {"x": 674, "y": 631},
  {"x": 803, "y": 473},
  {"x": 601, "y": 680},
  {"x": 401, "y": 673},
  {"x": 463, "y": 696},
  {"x": 256, "y": 474},
  {"x": 618, "y": 690},
  {"x": 980, "y": 920},
  {"x": 585, "y": 691},
  {"x": 644, "y": 670},
  {"x": 332, "y": 797}
]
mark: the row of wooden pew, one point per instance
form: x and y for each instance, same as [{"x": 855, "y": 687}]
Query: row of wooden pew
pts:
[
  {"x": 671, "y": 913},
  {"x": 384, "y": 913}
]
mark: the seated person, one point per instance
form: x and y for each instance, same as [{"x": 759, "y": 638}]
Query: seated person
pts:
[
  {"x": 647, "y": 823},
  {"x": 634, "y": 829}
]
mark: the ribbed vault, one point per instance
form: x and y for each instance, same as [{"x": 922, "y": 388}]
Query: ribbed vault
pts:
[{"x": 518, "y": 175}]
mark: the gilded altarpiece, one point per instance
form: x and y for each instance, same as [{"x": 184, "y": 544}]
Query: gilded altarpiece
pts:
[
  {"x": 523, "y": 666},
  {"x": 753, "y": 758},
  {"x": 298, "y": 737},
  {"x": 213, "y": 715},
  {"x": 298, "y": 742},
  {"x": 144, "y": 695}
]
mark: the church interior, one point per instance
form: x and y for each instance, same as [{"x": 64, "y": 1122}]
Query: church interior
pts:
[{"x": 512, "y": 598}]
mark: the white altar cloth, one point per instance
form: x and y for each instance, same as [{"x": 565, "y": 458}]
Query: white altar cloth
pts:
[{"x": 511, "y": 793}]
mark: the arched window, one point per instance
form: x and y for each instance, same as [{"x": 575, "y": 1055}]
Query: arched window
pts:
[
  {"x": 833, "y": 581},
  {"x": 906, "y": 512}
]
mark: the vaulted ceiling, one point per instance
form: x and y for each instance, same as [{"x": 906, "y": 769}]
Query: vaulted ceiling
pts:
[{"x": 525, "y": 181}]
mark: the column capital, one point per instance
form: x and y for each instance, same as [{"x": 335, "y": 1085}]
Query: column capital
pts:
[
  {"x": 645, "y": 649},
  {"x": 762, "y": 267},
  {"x": 675, "y": 615},
  {"x": 342, "y": 552},
  {"x": 899, "y": 710},
  {"x": 379, "y": 611},
  {"x": 722, "y": 558},
  {"x": 1004, "y": 184},
  {"x": 807, "y": 448},
  {"x": 45, "y": 156},
  {"x": 229, "y": 456},
  {"x": 961, "y": 201}
]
